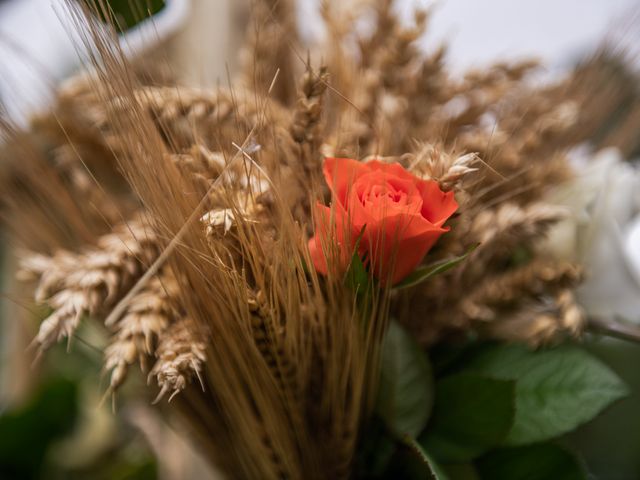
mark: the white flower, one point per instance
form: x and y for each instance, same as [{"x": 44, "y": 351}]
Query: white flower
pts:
[
  {"x": 603, "y": 232},
  {"x": 222, "y": 217}
]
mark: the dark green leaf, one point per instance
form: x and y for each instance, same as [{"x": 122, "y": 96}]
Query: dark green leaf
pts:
[
  {"x": 125, "y": 15},
  {"x": 450, "y": 357},
  {"x": 556, "y": 390},
  {"x": 421, "y": 274},
  {"x": 357, "y": 277},
  {"x": 375, "y": 450},
  {"x": 421, "y": 466},
  {"x": 543, "y": 461},
  {"x": 472, "y": 414},
  {"x": 405, "y": 396},
  {"x": 26, "y": 434},
  {"x": 461, "y": 471}
]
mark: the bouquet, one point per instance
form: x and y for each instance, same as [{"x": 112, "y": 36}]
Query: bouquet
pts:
[{"x": 335, "y": 267}]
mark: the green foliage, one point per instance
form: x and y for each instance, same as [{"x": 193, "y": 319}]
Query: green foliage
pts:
[
  {"x": 472, "y": 414},
  {"x": 461, "y": 471},
  {"x": 534, "y": 462},
  {"x": 492, "y": 408},
  {"x": 413, "y": 463},
  {"x": 422, "y": 274},
  {"x": 36, "y": 435},
  {"x": 403, "y": 406},
  {"x": 357, "y": 278},
  {"x": 128, "y": 13},
  {"x": 556, "y": 390},
  {"x": 121, "y": 467},
  {"x": 376, "y": 450},
  {"x": 406, "y": 385},
  {"x": 26, "y": 434}
]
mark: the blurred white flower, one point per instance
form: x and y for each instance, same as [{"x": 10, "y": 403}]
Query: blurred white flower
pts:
[{"x": 602, "y": 232}]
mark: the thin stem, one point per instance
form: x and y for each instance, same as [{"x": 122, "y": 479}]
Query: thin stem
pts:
[
  {"x": 121, "y": 306},
  {"x": 614, "y": 328}
]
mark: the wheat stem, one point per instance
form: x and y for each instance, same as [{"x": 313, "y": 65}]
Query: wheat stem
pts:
[
  {"x": 614, "y": 328},
  {"x": 197, "y": 212}
]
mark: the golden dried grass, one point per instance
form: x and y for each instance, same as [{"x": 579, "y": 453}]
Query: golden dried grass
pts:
[{"x": 272, "y": 367}]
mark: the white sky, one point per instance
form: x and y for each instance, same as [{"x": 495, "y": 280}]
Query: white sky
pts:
[
  {"x": 477, "y": 31},
  {"x": 480, "y": 31}
]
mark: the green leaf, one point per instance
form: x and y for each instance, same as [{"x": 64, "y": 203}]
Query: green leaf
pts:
[
  {"x": 472, "y": 414},
  {"x": 421, "y": 274},
  {"x": 556, "y": 390},
  {"x": 125, "y": 15},
  {"x": 357, "y": 277},
  {"x": 461, "y": 471},
  {"x": 26, "y": 434},
  {"x": 423, "y": 467},
  {"x": 535, "y": 462},
  {"x": 375, "y": 450},
  {"x": 405, "y": 394}
]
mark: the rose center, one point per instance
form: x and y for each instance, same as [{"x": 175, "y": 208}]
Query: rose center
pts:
[{"x": 382, "y": 193}]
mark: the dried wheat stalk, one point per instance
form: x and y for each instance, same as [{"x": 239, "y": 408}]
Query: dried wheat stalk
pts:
[
  {"x": 75, "y": 285},
  {"x": 540, "y": 324},
  {"x": 533, "y": 279},
  {"x": 288, "y": 375},
  {"x": 145, "y": 322},
  {"x": 180, "y": 357}
]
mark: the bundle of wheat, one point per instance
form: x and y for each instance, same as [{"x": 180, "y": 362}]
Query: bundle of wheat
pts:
[{"x": 207, "y": 272}]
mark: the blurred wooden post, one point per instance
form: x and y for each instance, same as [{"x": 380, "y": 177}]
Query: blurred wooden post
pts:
[{"x": 200, "y": 53}]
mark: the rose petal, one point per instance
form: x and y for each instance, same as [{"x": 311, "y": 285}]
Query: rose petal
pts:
[
  {"x": 365, "y": 208},
  {"x": 392, "y": 169},
  {"x": 437, "y": 206},
  {"x": 403, "y": 216},
  {"x": 398, "y": 244},
  {"x": 410, "y": 252},
  {"x": 340, "y": 174},
  {"x": 332, "y": 243}
]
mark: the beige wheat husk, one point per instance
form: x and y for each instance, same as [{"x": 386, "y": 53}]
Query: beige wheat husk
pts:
[{"x": 187, "y": 214}]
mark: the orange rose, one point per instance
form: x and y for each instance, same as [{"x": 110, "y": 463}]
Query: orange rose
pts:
[{"x": 402, "y": 217}]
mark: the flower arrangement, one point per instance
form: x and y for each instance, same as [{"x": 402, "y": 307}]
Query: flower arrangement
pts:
[
  {"x": 328, "y": 272},
  {"x": 400, "y": 216}
]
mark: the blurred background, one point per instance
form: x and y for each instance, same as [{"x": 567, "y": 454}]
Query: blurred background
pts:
[{"x": 54, "y": 421}]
